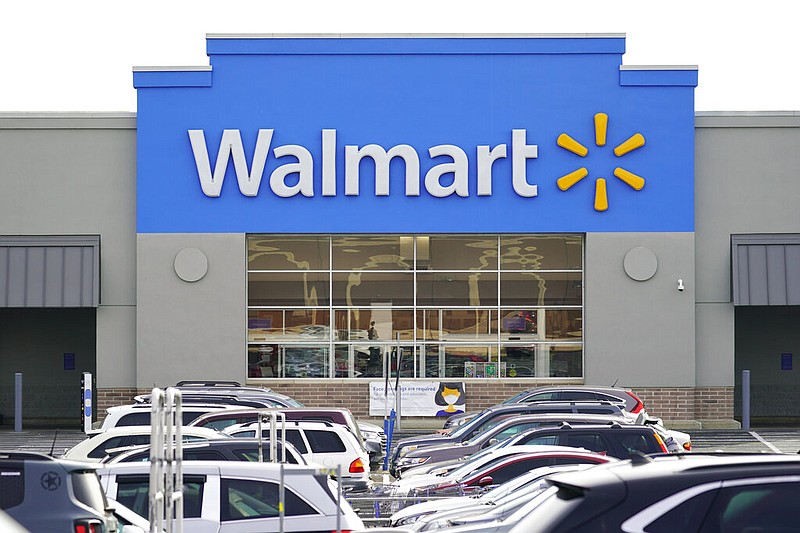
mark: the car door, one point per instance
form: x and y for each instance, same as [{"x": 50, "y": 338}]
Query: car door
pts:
[
  {"x": 248, "y": 505},
  {"x": 200, "y": 495}
]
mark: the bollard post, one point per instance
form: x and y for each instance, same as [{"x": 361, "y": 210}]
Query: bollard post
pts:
[
  {"x": 18, "y": 402},
  {"x": 746, "y": 400}
]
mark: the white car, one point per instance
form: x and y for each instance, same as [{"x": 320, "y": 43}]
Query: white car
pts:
[
  {"x": 95, "y": 448},
  {"x": 236, "y": 497},
  {"x": 138, "y": 414},
  {"x": 324, "y": 443}
]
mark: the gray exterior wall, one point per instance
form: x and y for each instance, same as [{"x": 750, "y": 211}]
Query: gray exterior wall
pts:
[
  {"x": 191, "y": 330},
  {"x": 746, "y": 181},
  {"x": 639, "y": 333},
  {"x": 75, "y": 174}
]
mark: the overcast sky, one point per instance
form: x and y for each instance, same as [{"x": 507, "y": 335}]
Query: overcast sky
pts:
[{"x": 79, "y": 56}]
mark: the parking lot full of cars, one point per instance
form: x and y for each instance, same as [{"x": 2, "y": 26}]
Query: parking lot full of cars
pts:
[{"x": 551, "y": 459}]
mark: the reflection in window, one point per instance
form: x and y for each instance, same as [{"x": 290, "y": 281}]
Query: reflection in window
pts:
[
  {"x": 361, "y": 252},
  {"x": 287, "y": 253},
  {"x": 281, "y": 288},
  {"x": 462, "y": 306}
]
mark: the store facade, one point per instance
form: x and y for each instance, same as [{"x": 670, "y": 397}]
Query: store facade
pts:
[{"x": 495, "y": 211}]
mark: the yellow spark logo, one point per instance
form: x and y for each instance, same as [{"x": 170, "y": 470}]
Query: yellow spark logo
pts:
[{"x": 600, "y": 194}]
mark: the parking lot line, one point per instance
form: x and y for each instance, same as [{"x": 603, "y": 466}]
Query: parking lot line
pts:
[{"x": 764, "y": 442}]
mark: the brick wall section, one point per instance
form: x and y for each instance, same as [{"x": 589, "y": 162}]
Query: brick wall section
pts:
[{"x": 669, "y": 403}]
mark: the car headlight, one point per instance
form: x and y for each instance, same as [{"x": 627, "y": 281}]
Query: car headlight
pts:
[
  {"x": 411, "y": 461},
  {"x": 406, "y": 450},
  {"x": 409, "y": 520}
]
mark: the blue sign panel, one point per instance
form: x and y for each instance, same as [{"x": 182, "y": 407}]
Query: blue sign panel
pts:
[
  {"x": 786, "y": 361},
  {"x": 415, "y": 135}
]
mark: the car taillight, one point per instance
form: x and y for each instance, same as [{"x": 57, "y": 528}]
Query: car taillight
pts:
[
  {"x": 343, "y": 531},
  {"x": 687, "y": 446},
  {"x": 357, "y": 466},
  {"x": 89, "y": 526},
  {"x": 639, "y": 404},
  {"x": 660, "y": 442}
]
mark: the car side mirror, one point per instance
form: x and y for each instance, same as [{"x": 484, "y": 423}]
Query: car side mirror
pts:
[
  {"x": 490, "y": 442},
  {"x": 486, "y": 480}
]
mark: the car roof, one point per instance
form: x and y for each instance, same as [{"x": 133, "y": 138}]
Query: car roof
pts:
[
  {"x": 675, "y": 466},
  {"x": 243, "y": 468},
  {"x": 45, "y": 460},
  {"x": 130, "y": 430}
]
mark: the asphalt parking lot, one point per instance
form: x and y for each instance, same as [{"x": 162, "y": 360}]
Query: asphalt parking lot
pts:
[{"x": 776, "y": 440}]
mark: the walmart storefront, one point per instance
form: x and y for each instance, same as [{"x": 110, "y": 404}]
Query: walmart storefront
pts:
[{"x": 496, "y": 211}]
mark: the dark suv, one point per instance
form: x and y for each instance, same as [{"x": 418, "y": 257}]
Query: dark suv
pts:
[
  {"x": 680, "y": 492},
  {"x": 489, "y": 418},
  {"x": 614, "y": 439},
  {"x": 47, "y": 494}
]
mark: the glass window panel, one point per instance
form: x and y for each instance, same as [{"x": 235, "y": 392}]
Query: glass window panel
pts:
[
  {"x": 562, "y": 361},
  {"x": 541, "y": 252},
  {"x": 296, "y": 361},
  {"x": 277, "y": 288},
  {"x": 520, "y": 361},
  {"x": 520, "y": 324},
  {"x": 563, "y": 324},
  {"x": 287, "y": 253},
  {"x": 367, "y": 288},
  {"x": 428, "y": 324},
  {"x": 367, "y": 324},
  {"x": 468, "y": 325},
  {"x": 457, "y": 360},
  {"x": 383, "y": 252},
  {"x": 288, "y": 324},
  {"x": 534, "y": 288},
  {"x": 457, "y": 289},
  {"x": 457, "y": 252}
]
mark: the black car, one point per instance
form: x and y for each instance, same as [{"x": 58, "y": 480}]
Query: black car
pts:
[
  {"x": 489, "y": 417},
  {"x": 680, "y": 492},
  {"x": 613, "y": 439}
]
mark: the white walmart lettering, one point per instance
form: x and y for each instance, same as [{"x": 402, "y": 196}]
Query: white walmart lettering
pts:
[{"x": 249, "y": 180}]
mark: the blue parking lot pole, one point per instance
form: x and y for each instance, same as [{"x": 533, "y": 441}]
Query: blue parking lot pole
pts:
[
  {"x": 388, "y": 428},
  {"x": 746, "y": 400},
  {"x": 18, "y": 402}
]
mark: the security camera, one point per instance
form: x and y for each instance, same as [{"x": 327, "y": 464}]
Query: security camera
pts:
[{"x": 680, "y": 285}]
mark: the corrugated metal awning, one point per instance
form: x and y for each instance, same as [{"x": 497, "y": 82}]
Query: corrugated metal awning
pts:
[
  {"x": 766, "y": 269},
  {"x": 50, "y": 271}
]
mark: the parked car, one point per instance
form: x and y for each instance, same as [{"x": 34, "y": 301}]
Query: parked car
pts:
[
  {"x": 489, "y": 417},
  {"x": 94, "y": 449},
  {"x": 428, "y": 510},
  {"x": 625, "y": 398},
  {"x": 616, "y": 440},
  {"x": 372, "y": 436},
  {"x": 327, "y": 444},
  {"x": 691, "y": 492},
  {"x": 505, "y": 428},
  {"x": 45, "y": 494},
  {"x": 492, "y": 467},
  {"x": 138, "y": 414},
  {"x": 217, "y": 450},
  {"x": 235, "y": 496}
]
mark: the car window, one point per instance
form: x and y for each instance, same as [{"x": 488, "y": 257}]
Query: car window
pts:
[
  {"x": 684, "y": 517},
  {"x": 589, "y": 441},
  {"x": 577, "y": 396},
  {"x": 638, "y": 443},
  {"x": 544, "y": 440},
  {"x": 513, "y": 430},
  {"x": 542, "y": 397},
  {"x": 247, "y": 499},
  {"x": 13, "y": 492},
  {"x": 100, "y": 450},
  {"x": 764, "y": 507},
  {"x": 252, "y": 455},
  {"x": 133, "y": 493},
  {"x": 512, "y": 470},
  {"x": 223, "y": 422},
  {"x": 294, "y": 437},
  {"x": 141, "y": 418},
  {"x": 203, "y": 455},
  {"x": 325, "y": 441},
  {"x": 88, "y": 490}
]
